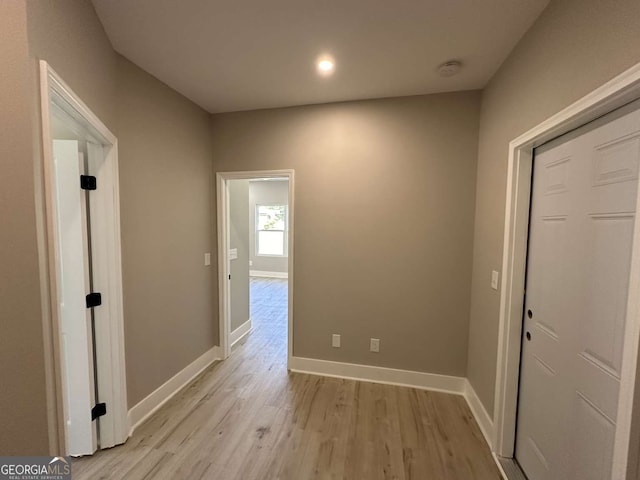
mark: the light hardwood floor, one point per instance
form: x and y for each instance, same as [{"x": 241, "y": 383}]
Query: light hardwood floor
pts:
[{"x": 248, "y": 418}]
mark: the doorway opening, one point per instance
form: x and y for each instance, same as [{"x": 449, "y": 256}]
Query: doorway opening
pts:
[
  {"x": 255, "y": 259},
  {"x": 86, "y": 333}
]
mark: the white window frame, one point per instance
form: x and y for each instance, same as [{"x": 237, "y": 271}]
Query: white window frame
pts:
[{"x": 284, "y": 232}]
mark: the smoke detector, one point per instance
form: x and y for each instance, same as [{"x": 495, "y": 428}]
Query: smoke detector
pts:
[{"x": 450, "y": 68}]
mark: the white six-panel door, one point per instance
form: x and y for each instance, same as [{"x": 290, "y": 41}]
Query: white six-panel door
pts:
[{"x": 581, "y": 231}]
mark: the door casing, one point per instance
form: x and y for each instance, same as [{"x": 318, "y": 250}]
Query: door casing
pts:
[
  {"x": 107, "y": 265},
  {"x": 616, "y": 93}
]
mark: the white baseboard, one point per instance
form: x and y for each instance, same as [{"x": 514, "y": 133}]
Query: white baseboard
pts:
[
  {"x": 480, "y": 413},
  {"x": 388, "y": 376},
  {"x": 239, "y": 333},
  {"x": 150, "y": 404},
  {"x": 261, "y": 273},
  {"x": 503, "y": 474}
]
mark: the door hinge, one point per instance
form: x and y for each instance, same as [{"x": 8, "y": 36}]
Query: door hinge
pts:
[
  {"x": 88, "y": 182},
  {"x": 94, "y": 299},
  {"x": 98, "y": 411}
]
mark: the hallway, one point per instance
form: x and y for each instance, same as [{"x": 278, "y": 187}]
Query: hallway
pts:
[{"x": 248, "y": 418}]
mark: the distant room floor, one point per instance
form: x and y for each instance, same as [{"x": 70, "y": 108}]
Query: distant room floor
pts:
[
  {"x": 268, "y": 297},
  {"x": 249, "y": 419}
]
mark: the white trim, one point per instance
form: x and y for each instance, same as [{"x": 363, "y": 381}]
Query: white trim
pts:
[
  {"x": 625, "y": 429},
  {"x": 240, "y": 332},
  {"x": 108, "y": 265},
  {"x": 384, "y": 375},
  {"x": 614, "y": 94},
  {"x": 49, "y": 78},
  {"x": 503, "y": 474},
  {"x": 161, "y": 395},
  {"x": 262, "y": 273},
  {"x": 222, "y": 212},
  {"x": 479, "y": 412}
]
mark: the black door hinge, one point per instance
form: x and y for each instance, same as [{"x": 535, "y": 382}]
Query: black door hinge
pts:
[
  {"x": 94, "y": 299},
  {"x": 98, "y": 411},
  {"x": 88, "y": 182}
]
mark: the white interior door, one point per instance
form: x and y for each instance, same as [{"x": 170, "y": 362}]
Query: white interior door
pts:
[
  {"x": 580, "y": 239},
  {"x": 73, "y": 286}
]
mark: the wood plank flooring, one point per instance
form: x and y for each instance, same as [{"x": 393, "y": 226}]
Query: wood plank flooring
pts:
[{"x": 248, "y": 418}]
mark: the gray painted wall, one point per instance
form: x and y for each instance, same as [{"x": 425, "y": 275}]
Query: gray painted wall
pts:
[
  {"x": 170, "y": 299},
  {"x": 239, "y": 239},
  {"x": 270, "y": 192},
  {"x": 23, "y": 400},
  {"x": 170, "y": 302},
  {"x": 384, "y": 205}
]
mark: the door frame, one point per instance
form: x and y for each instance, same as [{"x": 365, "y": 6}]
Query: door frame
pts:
[
  {"x": 108, "y": 267},
  {"x": 620, "y": 91},
  {"x": 224, "y": 292}
]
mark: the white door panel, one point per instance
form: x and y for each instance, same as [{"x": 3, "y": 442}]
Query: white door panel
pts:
[
  {"x": 591, "y": 442},
  {"x": 580, "y": 239},
  {"x": 75, "y": 320}
]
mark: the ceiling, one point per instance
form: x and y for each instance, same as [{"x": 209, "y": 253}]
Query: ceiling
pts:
[{"x": 230, "y": 55}]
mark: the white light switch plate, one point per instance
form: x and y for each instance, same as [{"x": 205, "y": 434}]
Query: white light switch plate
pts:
[
  {"x": 207, "y": 259},
  {"x": 375, "y": 345},
  {"x": 335, "y": 340},
  {"x": 494, "y": 279}
]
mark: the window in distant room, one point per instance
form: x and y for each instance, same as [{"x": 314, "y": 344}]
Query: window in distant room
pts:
[{"x": 271, "y": 229}]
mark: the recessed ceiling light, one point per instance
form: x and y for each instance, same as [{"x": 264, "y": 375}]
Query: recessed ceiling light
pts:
[
  {"x": 325, "y": 65},
  {"x": 450, "y": 68}
]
